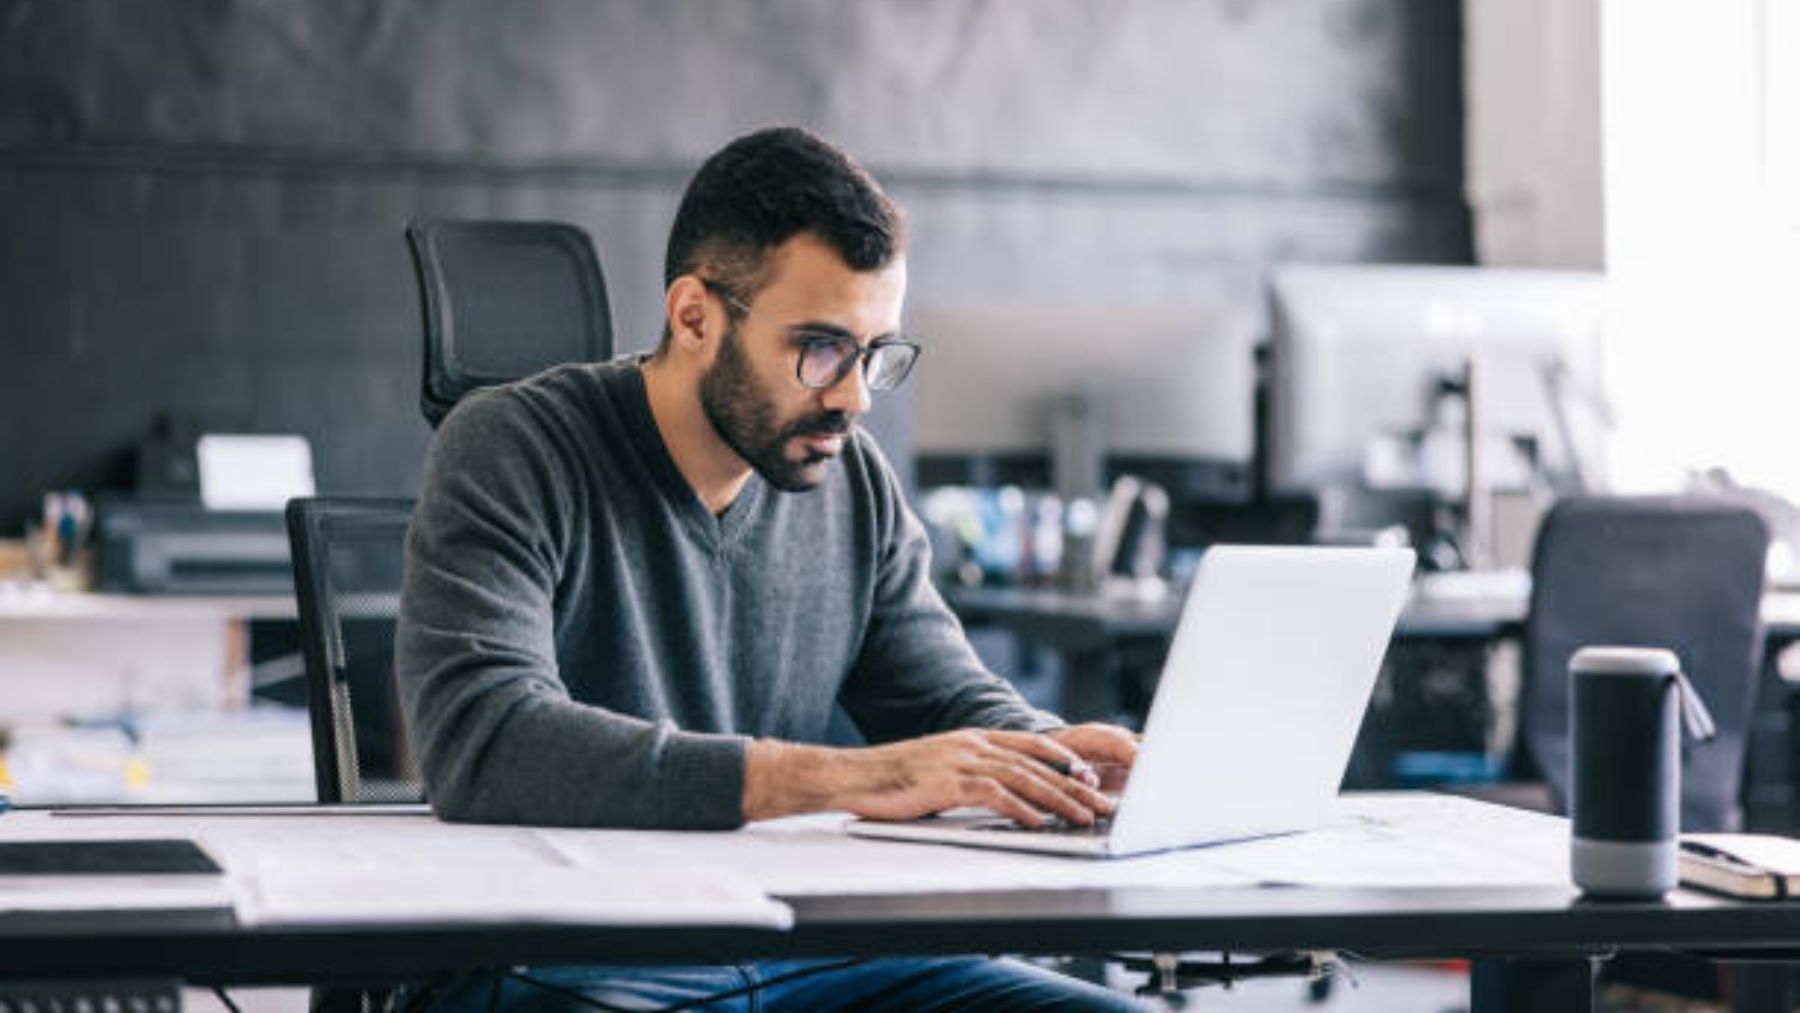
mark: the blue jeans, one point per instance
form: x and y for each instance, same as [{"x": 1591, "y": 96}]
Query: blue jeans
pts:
[{"x": 898, "y": 984}]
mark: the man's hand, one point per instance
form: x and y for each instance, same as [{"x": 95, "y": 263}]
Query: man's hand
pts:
[
  {"x": 1024, "y": 776},
  {"x": 1098, "y": 743}
]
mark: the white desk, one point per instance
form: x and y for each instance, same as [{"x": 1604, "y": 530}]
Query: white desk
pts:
[
  {"x": 1519, "y": 915},
  {"x": 1384, "y": 840}
]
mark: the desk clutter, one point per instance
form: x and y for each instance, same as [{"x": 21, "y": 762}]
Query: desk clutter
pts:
[
  {"x": 1013, "y": 537},
  {"x": 261, "y": 754},
  {"x": 204, "y": 517}
]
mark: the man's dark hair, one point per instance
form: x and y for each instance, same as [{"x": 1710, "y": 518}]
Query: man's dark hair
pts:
[{"x": 763, "y": 189}]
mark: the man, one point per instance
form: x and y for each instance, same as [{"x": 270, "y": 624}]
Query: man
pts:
[{"x": 636, "y": 589}]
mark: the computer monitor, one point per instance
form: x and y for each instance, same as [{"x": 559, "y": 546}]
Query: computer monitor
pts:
[
  {"x": 1368, "y": 366},
  {"x": 1170, "y": 389}
]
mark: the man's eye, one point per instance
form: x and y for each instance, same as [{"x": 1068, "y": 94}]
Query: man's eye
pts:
[{"x": 823, "y": 347}]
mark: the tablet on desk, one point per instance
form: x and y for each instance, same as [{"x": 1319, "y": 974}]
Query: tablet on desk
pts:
[
  {"x": 93, "y": 875},
  {"x": 145, "y": 857}
]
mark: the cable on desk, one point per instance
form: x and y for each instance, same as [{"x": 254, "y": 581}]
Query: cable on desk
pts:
[
  {"x": 705, "y": 1000},
  {"x": 230, "y": 1006}
]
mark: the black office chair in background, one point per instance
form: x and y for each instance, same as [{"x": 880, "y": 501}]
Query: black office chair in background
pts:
[
  {"x": 348, "y": 555},
  {"x": 1682, "y": 572},
  {"x": 502, "y": 301}
]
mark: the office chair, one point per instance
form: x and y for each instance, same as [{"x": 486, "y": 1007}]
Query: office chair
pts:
[
  {"x": 348, "y": 555},
  {"x": 1682, "y": 572},
  {"x": 502, "y": 301}
]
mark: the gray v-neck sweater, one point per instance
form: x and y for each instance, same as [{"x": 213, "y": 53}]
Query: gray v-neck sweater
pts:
[{"x": 582, "y": 643}]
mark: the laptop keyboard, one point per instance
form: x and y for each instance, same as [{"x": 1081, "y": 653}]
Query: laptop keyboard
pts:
[{"x": 1056, "y": 827}]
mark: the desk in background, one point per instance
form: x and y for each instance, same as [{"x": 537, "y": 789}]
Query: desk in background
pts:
[
  {"x": 1095, "y": 638},
  {"x": 64, "y": 652},
  {"x": 1086, "y": 630},
  {"x": 1438, "y": 609},
  {"x": 102, "y": 657}
]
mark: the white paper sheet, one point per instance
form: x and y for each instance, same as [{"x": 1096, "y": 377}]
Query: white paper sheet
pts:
[
  {"x": 507, "y": 892},
  {"x": 1412, "y": 840},
  {"x": 419, "y": 870},
  {"x": 241, "y": 471}
]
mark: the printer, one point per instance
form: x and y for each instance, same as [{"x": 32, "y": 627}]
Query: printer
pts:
[{"x": 176, "y": 546}]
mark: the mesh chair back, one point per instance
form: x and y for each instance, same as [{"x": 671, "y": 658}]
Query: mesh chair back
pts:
[
  {"x": 348, "y": 556},
  {"x": 502, "y": 301},
  {"x": 1684, "y": 573}
]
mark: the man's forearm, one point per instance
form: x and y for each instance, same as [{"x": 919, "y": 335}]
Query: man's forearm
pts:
[{"x": 785, "y": 778}]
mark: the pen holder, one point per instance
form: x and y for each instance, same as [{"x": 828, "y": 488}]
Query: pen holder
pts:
[
  {"x": 63, "y": 564},
  {"x": 1626, "y": 707}
]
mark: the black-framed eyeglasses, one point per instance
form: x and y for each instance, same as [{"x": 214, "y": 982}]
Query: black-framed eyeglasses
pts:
[{"x": 826, "y": 358}]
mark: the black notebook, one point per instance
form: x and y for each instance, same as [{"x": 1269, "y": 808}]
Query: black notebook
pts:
[
  {"x": 173, "y": 856},
  {"x": 1742, "y": 865}
]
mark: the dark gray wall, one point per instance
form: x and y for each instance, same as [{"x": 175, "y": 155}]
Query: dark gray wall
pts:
[{"x": 201, "y": 202}]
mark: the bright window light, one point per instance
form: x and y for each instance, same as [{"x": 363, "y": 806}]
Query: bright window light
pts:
[{"x": 1701, "y": 145}]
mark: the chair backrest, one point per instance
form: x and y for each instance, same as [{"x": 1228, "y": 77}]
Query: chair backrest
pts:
[
  {"x": 1683, "y": 572},
  {"x": 348, "y": 556},
  {"x": 502, "y": 301}
]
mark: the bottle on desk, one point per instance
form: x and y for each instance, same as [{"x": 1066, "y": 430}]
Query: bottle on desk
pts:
[{"x": 1626, "y": 708}]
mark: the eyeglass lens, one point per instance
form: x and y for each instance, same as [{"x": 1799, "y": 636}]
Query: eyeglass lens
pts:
[{"x": 825, "y": 362}]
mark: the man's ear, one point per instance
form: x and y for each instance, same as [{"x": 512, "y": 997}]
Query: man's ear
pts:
[{"x": 685, "y": 304}]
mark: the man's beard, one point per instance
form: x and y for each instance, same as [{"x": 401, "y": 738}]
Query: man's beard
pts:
[{"x": 744, "y": 418}]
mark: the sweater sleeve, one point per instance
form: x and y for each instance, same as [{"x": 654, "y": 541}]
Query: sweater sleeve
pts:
[
  {"x": 498, "y": 738},
  {"x": 916, "y": 672}
]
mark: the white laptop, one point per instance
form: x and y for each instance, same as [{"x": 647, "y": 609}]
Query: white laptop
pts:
[{"x": 1271, "y": 667}]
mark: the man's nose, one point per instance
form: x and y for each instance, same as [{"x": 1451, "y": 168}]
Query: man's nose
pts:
[{"x": 849, "y": 395}]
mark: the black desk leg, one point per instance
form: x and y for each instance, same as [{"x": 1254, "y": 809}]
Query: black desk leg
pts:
[
  {"x": 1533, "y": 986},
  {"x": 1792, "y": 774}
]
